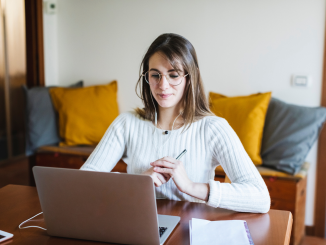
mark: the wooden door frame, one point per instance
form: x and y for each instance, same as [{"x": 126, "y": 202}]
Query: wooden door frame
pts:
[
  {"x": 320, "y": 189},
  {"x": 34, "y": 43},
  {"x": 34, "y": 54}
]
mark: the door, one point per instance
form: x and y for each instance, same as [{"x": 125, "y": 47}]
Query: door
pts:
[{"x": 12, "y": 77}]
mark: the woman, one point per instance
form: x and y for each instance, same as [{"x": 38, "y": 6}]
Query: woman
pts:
[{"x": 176, "y": 116}]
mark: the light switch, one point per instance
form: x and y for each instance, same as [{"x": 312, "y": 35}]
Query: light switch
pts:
[{"x": 301, "y": 81}]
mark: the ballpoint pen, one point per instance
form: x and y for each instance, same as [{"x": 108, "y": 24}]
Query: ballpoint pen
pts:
[{"x": 181, "y": 154}]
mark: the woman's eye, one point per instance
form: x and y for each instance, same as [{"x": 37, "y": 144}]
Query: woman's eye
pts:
[
  {"x": 155, "y": 76},
  {"x": 173, "y": 76}
]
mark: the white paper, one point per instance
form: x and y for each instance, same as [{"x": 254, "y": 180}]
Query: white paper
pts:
[{"x": 205, "y": 232}]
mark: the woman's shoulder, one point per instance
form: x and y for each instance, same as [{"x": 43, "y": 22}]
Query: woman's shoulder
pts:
[
  {"x": 215, "y": 126},
  {"x": 130, "y": 117},
  {"x": 127, "y": 115},
  {"x": 126, "y": 121},
  {"x": 212, "y": 121}
]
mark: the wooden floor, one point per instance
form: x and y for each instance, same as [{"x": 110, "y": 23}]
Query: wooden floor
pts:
[{"x": 17, "y": 173}]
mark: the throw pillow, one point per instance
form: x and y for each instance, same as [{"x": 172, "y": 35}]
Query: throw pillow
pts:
[
  {"x": 246, "y": 115},
  {"x": 290, "y": 131},
  {"x": 40, "y": 118},
  {"x": 85, "y": 113}
]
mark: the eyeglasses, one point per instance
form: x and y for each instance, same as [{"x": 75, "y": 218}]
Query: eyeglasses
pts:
[{"x": 154, "y": 77}]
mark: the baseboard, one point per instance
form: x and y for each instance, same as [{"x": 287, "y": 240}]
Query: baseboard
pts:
[{"x": 310, "y": 230}]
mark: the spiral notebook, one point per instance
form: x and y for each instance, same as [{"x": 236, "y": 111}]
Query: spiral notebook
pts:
[{"x": 204, "y": 232}]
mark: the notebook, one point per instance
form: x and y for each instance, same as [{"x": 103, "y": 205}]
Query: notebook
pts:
[{"x": 231, "y": 232}]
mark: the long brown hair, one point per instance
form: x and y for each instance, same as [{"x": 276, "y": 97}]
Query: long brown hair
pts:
[{"x": 177, "y": 50}]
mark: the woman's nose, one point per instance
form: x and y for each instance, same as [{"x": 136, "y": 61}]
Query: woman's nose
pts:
[{"x": 164, "y": 83}]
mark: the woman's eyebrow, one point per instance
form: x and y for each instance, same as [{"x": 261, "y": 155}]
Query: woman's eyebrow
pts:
[{"x": 153, "y": 69}]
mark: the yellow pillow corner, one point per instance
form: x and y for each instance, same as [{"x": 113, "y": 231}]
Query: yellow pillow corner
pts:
[
  {"x": 246, "y": 115},
  {"x": 85, "y": 113}
]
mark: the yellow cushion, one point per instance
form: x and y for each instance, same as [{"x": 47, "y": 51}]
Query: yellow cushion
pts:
[
  {"x": 246, "y": 115},
  {"x": 85, "y": 113}
]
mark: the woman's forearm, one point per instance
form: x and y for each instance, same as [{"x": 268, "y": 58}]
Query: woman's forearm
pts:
[
  {"x": 176, "y": 169},
  {"x": 198, "y": 190}
]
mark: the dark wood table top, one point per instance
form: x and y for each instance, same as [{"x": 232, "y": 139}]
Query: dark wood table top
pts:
[{"x": 19, "y": 203}]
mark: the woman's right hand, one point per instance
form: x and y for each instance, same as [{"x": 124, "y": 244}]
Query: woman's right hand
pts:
[{"x": 158, "y": 178}]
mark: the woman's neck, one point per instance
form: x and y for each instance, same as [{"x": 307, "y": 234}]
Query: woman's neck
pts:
[{"x": 166, "y": 117}]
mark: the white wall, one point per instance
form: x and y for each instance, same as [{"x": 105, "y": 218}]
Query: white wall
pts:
[
  {"x": 50, "y": 47},
  {"x": 243, "y": 47}
]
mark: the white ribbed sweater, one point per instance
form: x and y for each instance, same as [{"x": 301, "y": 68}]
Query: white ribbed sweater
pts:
[{"x": 209, "y": 142}]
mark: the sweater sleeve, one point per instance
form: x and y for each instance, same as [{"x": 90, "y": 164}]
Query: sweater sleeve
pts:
[
  {"x": 248, "y": 191},
  {"x": 111, "y": 147}
]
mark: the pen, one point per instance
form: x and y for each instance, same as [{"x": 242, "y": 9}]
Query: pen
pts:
[{"x": 181, "y": 154}]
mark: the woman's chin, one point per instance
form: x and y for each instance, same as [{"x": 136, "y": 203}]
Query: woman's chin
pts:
[{"x": 166, "y": 105}]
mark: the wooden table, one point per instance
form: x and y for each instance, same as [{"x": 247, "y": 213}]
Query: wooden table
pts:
[{"x": 18, "y": 203}]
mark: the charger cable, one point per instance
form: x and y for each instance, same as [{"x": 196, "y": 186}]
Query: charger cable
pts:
[{"x": 32, "y": 226}]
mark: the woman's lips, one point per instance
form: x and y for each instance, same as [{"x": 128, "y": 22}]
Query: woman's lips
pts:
[{"x": 164, "y": 96}]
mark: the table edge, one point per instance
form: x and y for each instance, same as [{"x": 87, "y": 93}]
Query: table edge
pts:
[{"x": 288, "y": 230}]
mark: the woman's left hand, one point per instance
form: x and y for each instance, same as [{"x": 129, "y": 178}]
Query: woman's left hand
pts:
[{"x": 175, "y": 169}]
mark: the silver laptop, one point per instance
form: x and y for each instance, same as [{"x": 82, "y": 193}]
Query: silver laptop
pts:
[{"x": 106, "y": 207}]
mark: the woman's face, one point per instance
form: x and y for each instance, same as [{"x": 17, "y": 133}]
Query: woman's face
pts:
[{"x": 166, "y": 95}]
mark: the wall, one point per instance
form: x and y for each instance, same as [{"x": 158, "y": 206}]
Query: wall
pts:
[
  {"x": 50, "y": 47},
  {"x": 243, "y": 47}
]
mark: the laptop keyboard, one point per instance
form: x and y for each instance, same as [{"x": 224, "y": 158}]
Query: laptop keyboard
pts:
[{"x": 162, "y": 230}]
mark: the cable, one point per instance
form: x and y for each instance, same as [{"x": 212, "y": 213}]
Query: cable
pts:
[
  {"x": 157, "y": 149},
  {"x": 32, "y": 226}
]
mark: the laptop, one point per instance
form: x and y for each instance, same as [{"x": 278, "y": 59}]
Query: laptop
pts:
[{"x": 97, "y": 206}]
